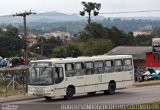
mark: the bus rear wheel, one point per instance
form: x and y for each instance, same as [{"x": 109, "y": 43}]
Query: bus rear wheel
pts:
[
  {"x": 111, "y": 89},
  {"x": 69, "y": 93}
]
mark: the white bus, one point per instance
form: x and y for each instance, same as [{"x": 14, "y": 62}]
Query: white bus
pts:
[{"x": 65, "y": 77}]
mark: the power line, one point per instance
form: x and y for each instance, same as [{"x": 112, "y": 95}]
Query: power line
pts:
[
  {"x": 123, "y": 12},
  {"x": 142, "y": 11}
]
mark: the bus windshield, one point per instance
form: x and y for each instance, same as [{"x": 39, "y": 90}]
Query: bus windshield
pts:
[{"x": 40, "y": 74}]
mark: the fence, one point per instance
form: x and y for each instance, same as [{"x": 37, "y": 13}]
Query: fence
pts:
[{"x": 13, "y": 80}]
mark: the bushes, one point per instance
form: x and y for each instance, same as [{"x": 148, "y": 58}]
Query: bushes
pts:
[{"x": 79, "y": 48}]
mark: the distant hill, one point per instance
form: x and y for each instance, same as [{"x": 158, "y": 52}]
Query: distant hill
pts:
[
  {"x": 142, "y": 18},
  {"x": 47, "y": 17},
  {"x": 53, "y": 21}
]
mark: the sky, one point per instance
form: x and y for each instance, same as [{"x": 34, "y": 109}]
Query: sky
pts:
[{"x": 8, "y": 7}]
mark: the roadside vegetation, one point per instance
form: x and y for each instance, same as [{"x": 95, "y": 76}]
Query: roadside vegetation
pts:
[
  {"x": 10, "y": 43},
  {"x": 10, "y": 91},
  {"x": 95, "y": 39},
  {"x": 79, "y": 48}
]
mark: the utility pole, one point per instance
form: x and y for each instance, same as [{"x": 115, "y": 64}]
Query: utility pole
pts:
[
  {"x": 41, "y": 38},
  {"x": 42, "y": 44},
  {"x": 24, "y": 14}
]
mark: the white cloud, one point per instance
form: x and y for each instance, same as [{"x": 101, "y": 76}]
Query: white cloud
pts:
[{"x": 74, "y": 6}]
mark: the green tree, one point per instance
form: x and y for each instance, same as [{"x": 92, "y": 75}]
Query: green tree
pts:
[
  {"x": 96, "y": 47},
  {"x": 89, "y": 48},
  {"x": 89, "y": 7},
  {"x": 96, "y": 30},
  {"x": 10, "y": 43},
  {"x": 70, "y": 49},
  {"x": 143, "y": 40},
  {"x": 92, "y": 30},
  {"x": 119, "y": 37},
  {"x": 59, "y": 52},
  {"x": 48, "y": 45}
]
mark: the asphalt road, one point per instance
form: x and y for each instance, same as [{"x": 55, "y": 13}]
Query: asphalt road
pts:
[{"x": 137, "y": 95}]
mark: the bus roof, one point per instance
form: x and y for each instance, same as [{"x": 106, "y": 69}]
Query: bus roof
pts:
[{"x": 84, "y": 58}]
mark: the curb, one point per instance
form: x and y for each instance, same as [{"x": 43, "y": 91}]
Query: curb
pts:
[{"x": 147, "y": 83}]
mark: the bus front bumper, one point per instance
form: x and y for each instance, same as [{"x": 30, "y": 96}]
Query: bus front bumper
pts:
[
  {"x": 40, "y": 91},
  {"x": 40, "y": 94}
]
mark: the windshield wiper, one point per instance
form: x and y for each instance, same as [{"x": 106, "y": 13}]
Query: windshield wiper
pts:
[
  {"x": 44, "y": 69},
  {"x": 35, "y": 69}
]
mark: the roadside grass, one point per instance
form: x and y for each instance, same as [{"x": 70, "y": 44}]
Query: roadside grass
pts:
[{"x": 10, "y": 91}]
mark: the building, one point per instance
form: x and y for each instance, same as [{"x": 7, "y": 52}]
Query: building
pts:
[
  {"x": 47, "y": 35},
  {"x": 58, "y": 34},
  {"x": 62, "y": 35},
  {"x": 146, "y": 30},
  {"x": 152, "y": 60},
  {"x": 32, "y": 39},
  {"x": 153, "y": 57},
  {"x": 138, "y": 53},
  {"x": 4, "y": 29},
  {"x": 136, "y": 33}
]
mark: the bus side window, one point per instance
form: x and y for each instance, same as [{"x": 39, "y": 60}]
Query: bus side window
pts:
[
  {"x": 109, "y": 66},
  {"x": 79, "y": 69},
  {"x": 127, "y": 64},
  {"x": 118, "y": 65},
  {"x": 58, "y": 74},
  {"x": 99, "y": 67},
  {"x": 69, "y": 69},
  {"x": 89, "y": 68}
]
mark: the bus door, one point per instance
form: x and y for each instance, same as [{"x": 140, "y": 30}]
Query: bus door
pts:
[
  {"x": 128, "y": 75},
  {"x": 100, "y": 76},
  {"x": 75, "y": 76},
  {"x": 90, "y": 82},
  {"x": 58, "y": 78}
]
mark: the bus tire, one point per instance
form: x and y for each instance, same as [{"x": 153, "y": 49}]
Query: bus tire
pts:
[
  {"x": 91, "y": 93},
  {"x": 48, "y": 98},
  {"x": 111, "y": 88},
  {"x": 69, "y": 93}
]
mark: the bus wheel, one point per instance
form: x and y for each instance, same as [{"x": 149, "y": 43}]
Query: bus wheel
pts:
[
  {"x": 91, "y": 93},
  {"x": 69, "y": 93},
  {"x": 111, "y": 89},
  {"x": 48, "y": 98}
]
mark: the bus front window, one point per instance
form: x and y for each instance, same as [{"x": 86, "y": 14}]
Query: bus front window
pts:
[{"x": 40, "y": 76}]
